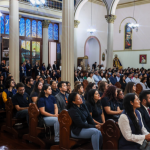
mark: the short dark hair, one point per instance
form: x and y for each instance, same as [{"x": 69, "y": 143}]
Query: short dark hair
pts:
[
  {"x": 143, "y": 95},
  {"x": 51, "y": 82},
  {"x": 78, "y": 87},
  {"x": 8, "y": 82},
  {"x": 19, "y": 85},
  {"x": 37, "y": 76},
  {"x": 67, "y": 82},
  {"x": 28, "y": 79},
  {"x": 60, "y": 84}
]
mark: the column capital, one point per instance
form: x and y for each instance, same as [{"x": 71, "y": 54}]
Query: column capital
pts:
[
  {"x": 76, "y": 23},
  {"x": 110, "y": 18},
  {"x": 46, "y": 23}
]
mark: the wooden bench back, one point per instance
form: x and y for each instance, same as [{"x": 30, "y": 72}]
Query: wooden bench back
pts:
[
  {"x": 48, "y": 80},
  {"x": 85, "y": 83},
  {"x": 33, "y": 112},
  {"x": 59, "y": 79},
  {"x": 118, "y": 85},
  {"x": 65, "y": 122},
  {"x": 139, "y": 88}
]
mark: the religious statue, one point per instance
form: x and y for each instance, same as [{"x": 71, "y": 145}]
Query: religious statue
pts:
[{"x": 117, "y": 63}]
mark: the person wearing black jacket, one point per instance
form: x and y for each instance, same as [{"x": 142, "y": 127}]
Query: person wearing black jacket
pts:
[
  {"x": 123, "y": 82},
  {"x": 144, "y": 109},
  {"x": 83, "y": 125},
  {"x": 29, "y": 67}
]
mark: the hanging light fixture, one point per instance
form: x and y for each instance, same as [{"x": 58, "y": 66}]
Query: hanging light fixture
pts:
[
  {"x": 37, "y": 2},
  {"x": 1, "y": 14},
  {"x": 133, "y": 25},
  {"x": 91, "y": 30}
]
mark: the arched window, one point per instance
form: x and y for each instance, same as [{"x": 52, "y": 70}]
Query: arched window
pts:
[
  {"x": 50, "y": 31},
  {"x": 7, "y": 24},
  {"x": 28, "y": 28},
  {"x": 22, "y": 27},
  {"x": 2, "y": 24},
  {"x": 39, "y": 30},
  {"x": 33, "y": 28},
  {"x": 55, "y": 32},
  {"x": 128, "y": 37}
]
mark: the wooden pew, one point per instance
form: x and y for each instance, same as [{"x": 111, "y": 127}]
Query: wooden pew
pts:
[
  {"x": 110, "y": 131},
  {"x": 118, "y": 85},
  {"x": 59, "y": 79},
  {"x": 139, "y": 88},
  {"x": 48, "y": 80},
  {"x": 10, "y": 120},
  {"x": 34, "y": 130},
  {"x": 85, "y": 83}
]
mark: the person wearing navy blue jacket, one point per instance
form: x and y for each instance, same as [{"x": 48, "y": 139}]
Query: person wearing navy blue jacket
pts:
[
  {"x": 83, "y": 125},
  {"x": 131, "y": 125},
  {"x": 113, "y": 79}
]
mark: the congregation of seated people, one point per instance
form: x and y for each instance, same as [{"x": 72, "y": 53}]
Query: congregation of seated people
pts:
[{"x": 89, "y": 107}]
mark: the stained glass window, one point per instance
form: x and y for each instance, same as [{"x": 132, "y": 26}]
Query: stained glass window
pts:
[
  {"x": 128, "y": 37},
  {"x": 35, "y": 52},
  {"x": 25, "y": 51},
  {"x": 2, "y": 24},
  {"x": 28, "y": 28},
  {"x": 7, "y": 24},
  {"x": 33, "y": 28},
  {"x": 39, "y": 30},
  {"x": 50, "y": 31},
  {"x": 55, "y": 32},
  {"x": 22, "y": 27}
]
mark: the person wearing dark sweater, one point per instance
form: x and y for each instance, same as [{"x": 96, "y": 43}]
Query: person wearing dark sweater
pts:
[
  {"x": 29, "y": 85},
  {"x": 123, "y": 82},
  {"x": 53, "y": 85},
  {"x": 113, "y": 79},
  {"x": 83, "y": 125}
]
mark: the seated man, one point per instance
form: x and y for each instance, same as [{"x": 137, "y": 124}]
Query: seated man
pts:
[
  {"x": 118, "y": 76},
  {"x": 37, "y": 78},
  {"x": 128, "y": 79},
  {"x": 113, "y": 79},
  {"x": 135, "y": 79},
  {"x": 62, "y": 96},
  {"x": 144, "y": 109},
  {"x": 29, "y": 85},
  {"x": 96, "y": 77},
  {"x": 21, "y": 101},
  {"x": 53, "y": 85}
]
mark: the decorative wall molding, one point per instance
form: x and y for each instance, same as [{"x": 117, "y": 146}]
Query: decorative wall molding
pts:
[
  {"x": 110, "y": 18},
  {"x": 46, "y": 23},
  {"x": 131, "y": 50},
  {"x": 76, "y": 23},
  {"x": 99, "y": 2}
]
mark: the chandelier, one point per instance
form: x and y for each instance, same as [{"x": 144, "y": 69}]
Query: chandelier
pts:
[
  {"x": 91, "y": 30},
  {"x": 133, "y": 25},
  {"x": 37, "y": 2}
]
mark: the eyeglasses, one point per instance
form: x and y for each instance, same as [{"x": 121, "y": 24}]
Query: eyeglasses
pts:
[{"x": 121, "y": 94}]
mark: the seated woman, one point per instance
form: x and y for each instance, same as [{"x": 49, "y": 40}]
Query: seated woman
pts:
[
  {"x": 54, "y": 76},
  {"x": 36, "y": 91},
  {"x": 83, "y": 125},
  {"x": 90, "y": 78},
  {"x": 95, "y": 108},
  {"x": 131, "y": 124},
  {"x": 88, "y": 88},
  {"x": 110, "y": 104},
  {"x": 106, "y": 78},
  {"x": 48, "y": 109},
  {"x": 86, "y": 76},
  {"x": 47, "y": 74},
  {"x": 123, "y": 82},
  {"x": 81, "y": 78},
  {"x": 76, "y": 78},
  {"x": 120, "y": 97},
  {"x": 9, "y": 90},
  {"x": 102, "y": 87},
  {"x": 43, "y": 67},
  {"x": 130, "y": 88},
  {"x": 144, "y": 84}
]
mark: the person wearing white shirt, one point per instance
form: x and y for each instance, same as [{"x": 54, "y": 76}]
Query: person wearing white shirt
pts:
[
  {"x": 136, "y": 79},
  {"x": 128, "y": 79},
  {"x": 131, "y": 125},
  {"x": 90, "y": 78},
  {"x": 144, "y": 84},
  {"x": 79, "y": 67},
  {"x": 96, "y": 77},
  {"x": 118, "y": 76},
  {"x": 102, "y": 67}
]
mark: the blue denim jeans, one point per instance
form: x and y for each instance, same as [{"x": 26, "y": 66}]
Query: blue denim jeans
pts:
[
  {"x": 53, "y": 121},
  {"x": 23, "y": 114},
  {"x": 94, "y": 134}
]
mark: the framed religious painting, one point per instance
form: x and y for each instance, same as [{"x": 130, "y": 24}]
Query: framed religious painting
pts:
[{"x": 143, "y": 59}]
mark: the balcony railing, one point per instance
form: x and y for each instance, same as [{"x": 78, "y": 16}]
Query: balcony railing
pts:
[{"x": 55, "y": 4}]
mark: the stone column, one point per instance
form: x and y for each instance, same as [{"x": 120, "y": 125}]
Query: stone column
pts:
[
  {"x": 68, "y": 42},
  {"x": 76, "y": 23},
  {"x": 14, "y": 62},
  {"x": 45, "y": 42},
  {"x": 110, "y": 19}
]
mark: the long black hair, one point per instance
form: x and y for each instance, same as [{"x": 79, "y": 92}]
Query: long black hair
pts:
[
  {"x": 129, "y": 110},
  {"x": 35, "y": 89},
  {"x": 45, "y": 87},
  {"x": 71, "y": 98}
]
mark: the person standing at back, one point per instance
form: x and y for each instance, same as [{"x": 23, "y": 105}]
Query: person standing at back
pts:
[
  {"x": 28, "y": 68},
  {"x": 94, "y": 65},
  {"x": 54, "y": 66}
]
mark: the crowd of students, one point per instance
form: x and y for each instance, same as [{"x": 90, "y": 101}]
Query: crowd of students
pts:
[{"x": 91, "y": 108}]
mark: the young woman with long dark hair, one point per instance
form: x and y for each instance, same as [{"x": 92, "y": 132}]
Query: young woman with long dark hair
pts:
[
  {"x": 95, "y": 107},
  {"x": 131, "y": 124},
  {"x": 48, "y": 109},
  {"x": 88, "y": 88},
  {"x": 123, "y": 82},
  {"x": 110, "y": 104},
  {"x": 83, "y": 125},
  {"x": 130, "y": 88},
  {"x": 36, "y": 91}
]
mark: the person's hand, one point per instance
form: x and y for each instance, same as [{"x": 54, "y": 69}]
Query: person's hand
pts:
[
  {"x": 120, "y": 111},
  {"x": 98, "y": 126},
  {"x": 55, "y": 115},
  {"x": 147, "y": 137},
  {"x": 101, "y": 124}
]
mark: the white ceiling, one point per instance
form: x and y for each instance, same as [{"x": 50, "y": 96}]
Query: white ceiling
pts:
[{"x": 126, "y": 1}]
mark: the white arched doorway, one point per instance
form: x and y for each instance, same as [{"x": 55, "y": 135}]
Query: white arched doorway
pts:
[{"x": 92, "y": 49}]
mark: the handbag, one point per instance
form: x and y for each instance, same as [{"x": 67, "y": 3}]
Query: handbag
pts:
[{"x": 145, "y": 145}]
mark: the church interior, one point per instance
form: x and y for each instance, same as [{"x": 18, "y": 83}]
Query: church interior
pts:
[{"x": 74, "y": 74}]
